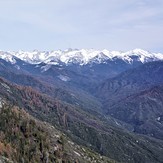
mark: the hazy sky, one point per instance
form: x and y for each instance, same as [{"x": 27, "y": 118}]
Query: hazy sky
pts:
[{"x": 98, "y": 24}]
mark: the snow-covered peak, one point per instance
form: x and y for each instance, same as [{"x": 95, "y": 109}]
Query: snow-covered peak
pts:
[
  {"x": 82, "y": 56},
  {"x": 7, "y": 57}
]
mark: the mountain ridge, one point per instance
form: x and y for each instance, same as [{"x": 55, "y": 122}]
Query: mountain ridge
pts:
[
  {"x": 78, "y": 98},
  {"x": 79, "y": 126},
  {"x": 82, "y": 57}
]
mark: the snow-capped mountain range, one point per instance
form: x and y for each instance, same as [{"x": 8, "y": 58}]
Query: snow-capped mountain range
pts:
[{"x": 82, "y": 57}]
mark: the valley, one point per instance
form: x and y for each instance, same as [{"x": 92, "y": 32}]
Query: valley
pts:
[{"x": 107, "y": 106}]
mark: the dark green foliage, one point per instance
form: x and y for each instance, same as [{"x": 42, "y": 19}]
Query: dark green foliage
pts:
[
  {"x": 136, "y": 97},
  {"x": 23, "y": 135},
  {"x": 117, "y": 144},
  {"x": 24, "y": 139}
]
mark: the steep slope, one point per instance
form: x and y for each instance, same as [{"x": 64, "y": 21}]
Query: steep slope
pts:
[
  {"x": 79, "y": 68},
  {"x": 143, "y": 110},
  {"x": 73, "y": 76},
  {"x": 130, "y": 82},
  {"x": 49, "y": 84},
  {"x": 58, "y": 94},
  {"x": 129, "y": 97},
  {"x": 84, "y": 128},
  {"x": 25, "y": 139}
]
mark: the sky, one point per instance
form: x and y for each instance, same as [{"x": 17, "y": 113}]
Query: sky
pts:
[{"x": 98, "y": 24}]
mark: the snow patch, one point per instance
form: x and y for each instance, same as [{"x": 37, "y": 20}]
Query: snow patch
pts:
[
  {"x": 6, "y": 87},
  {"x": 64, "y": 78},
  {"x": 77, "y": 153},
  {"x": 45, "y": 68},
  {"x": 1, "y": 102},
  {"x": 17, "y": 67},
  {"x": 117, "y": 123}
]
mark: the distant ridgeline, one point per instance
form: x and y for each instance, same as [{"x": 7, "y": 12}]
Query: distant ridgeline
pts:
[{"x": 83, "y": 106}]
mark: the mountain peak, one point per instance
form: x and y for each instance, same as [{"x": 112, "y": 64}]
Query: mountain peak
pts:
[{"x": 82, "y": 56}]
